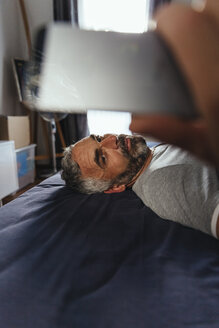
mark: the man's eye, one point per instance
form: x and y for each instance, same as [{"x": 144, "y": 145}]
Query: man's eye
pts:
[{"x": 103, "y": 159}]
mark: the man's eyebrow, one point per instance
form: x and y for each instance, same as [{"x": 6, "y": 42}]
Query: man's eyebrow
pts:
[
  {"x": 97, "y": 157},
  {"x": 92, "y": 136}
]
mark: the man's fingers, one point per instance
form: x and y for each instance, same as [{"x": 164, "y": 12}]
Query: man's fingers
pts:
[
  {"x": 190, "y": 135},
  {"x": 168, "y": 129}
]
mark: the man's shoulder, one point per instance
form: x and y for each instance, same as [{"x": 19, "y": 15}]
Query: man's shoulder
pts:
[{"x": 166, "y": 154}]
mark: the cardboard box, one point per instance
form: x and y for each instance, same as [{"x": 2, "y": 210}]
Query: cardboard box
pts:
[{"x": 15, "y": 128}]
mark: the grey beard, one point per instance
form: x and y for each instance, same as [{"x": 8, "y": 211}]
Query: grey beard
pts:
[{"x": 136, "y": 161}]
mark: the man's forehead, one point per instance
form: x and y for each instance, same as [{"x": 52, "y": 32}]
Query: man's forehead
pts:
[
  {"x": 80, "y": 147},
  {"x": 91, "y": 137},
  {"x": 81, "y": 141}
]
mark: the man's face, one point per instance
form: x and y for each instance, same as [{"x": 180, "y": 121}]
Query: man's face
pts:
[{"x": 110, "y": 156}]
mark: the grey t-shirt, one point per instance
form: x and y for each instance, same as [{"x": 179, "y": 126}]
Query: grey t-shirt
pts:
[{"x": 180, "y": 188}]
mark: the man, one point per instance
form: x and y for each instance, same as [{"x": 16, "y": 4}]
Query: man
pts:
[{"x": 172, "y": 183}]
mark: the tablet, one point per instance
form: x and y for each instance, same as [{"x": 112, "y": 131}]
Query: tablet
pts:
[{"x": 82, "y": 70}]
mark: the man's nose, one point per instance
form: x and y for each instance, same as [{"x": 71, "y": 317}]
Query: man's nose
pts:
[{"x": 109, "y": 142}]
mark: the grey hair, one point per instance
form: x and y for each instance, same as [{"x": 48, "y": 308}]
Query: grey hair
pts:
[{"x": 71, "y": 174}]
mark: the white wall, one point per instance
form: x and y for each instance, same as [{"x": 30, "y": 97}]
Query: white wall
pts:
[
  {"x": 13, "y": 44},
  {"x": 40, "y": 12}
]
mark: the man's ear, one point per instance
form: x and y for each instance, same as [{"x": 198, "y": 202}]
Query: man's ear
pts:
[{"x": 115, "y": 189}]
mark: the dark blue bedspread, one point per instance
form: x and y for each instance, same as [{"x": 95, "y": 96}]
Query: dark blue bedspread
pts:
[{"x": 102, "y": 261}]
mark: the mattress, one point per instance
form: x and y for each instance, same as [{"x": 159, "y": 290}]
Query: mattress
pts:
[{"x": 103, "y": 261}]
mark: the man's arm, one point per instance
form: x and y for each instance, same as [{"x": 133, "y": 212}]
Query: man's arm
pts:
[{"x": 193, "y": 38}]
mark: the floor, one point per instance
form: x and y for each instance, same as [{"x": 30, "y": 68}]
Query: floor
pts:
[{"x": 21, "y": 191}]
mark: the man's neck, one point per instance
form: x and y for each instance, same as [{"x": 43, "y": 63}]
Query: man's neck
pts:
[{"x": 142, "y": 169}]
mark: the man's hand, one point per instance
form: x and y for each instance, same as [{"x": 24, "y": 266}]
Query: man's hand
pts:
[
  {"x": 189, "y": 135},
  {"x": 193, "y": 38}
]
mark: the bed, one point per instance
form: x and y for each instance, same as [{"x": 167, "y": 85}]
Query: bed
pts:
[{"x": 103, "y": 261}]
